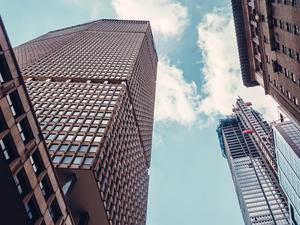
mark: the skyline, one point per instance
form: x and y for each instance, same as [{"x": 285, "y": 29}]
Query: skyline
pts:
[{"x": 202, "y": 108}]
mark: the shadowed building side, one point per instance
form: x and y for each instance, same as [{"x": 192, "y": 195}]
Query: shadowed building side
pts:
[
  {"x": 268, "y": 38},
  {"x": 30, "y": 193}
]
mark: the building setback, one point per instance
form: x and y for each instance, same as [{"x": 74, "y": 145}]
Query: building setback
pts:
[
  {"x": 287, "y": 145},
  {"x": 246, "y": 143},
  {"x": 268, "y": 37},
  {"x": 92, "y": 87},
  {"x": 30, "y": 193}
]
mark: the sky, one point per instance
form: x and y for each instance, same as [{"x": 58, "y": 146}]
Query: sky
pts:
[{"x": 198, "y": 82}]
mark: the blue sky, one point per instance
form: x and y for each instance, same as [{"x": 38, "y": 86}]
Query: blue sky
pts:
[{"x": 198, "y": 81}]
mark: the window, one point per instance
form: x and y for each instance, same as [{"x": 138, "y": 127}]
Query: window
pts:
[
  {"x": 298, "y": 56},
  {"x": 79, "y": 138},
  {"x": 15, "y": 103},
  {"x": 88, "y": 161},
  {"x": 69, "y": 137},
  {"x": 56, "y": 159},
  {"x": 3, "y": 125},
  {"x": 32, "y": 210},
  {"x": 53, "y": 147},
  {"x": 54, "y": 211},
  {"x": 291, "y": 53},
  {"x": 8, "y": 148},
  {"x": 296, "y": 101},
  {"x": 57, "y": 127},
  {"x": 101, "y": 129},
  {"x": 78, "y": 160},
  {"x": 67, "y": 159},
  {"x": 75, "y": 128},
  {"x": 293, "y": 77},
  {"x": 73, "y": 148},
  {"x": 37, "y": 162},
  {"x": 46, "y": 187},
  {"x": 63, "y": 147},
  {"x": 84, "y": 129},
  {"x": 83, "y": 148},
  {"x": 4, "y": 70},
  {"x": 22, "y": 183},
  {"x": 93, "y": 148},
  {"x": 88, "y": 138},
  {"x": 25, "y": 131},
  {"x": 97, "y": 139}
]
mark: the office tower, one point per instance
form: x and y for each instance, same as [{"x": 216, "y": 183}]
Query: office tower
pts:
[
  {"x": 287, "y": 145},
  {"x": 30, "y": 193},
  {"x": 246, "y": 142},
  {"x": 268, "y": 37},
  {"x": 93, "y": 87}
]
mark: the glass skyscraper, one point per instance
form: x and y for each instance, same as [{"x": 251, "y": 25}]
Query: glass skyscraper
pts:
[
  {"x": 246, "y": 143},
  {"x": 287, "y": 144}
]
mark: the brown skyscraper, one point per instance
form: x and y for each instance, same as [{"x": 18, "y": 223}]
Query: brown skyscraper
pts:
[
  {"x": 268, "y": 36},
  {"x": 92, "y": 87}
]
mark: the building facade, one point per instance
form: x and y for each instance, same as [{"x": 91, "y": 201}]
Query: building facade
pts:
[
  {"x": 287, "y": 145},
  {"x": 268, "y": 37},
  {"x": 92, "y": 87},
  {"x": 30, "y": 192},
  {"x": 246, "y": 143}
]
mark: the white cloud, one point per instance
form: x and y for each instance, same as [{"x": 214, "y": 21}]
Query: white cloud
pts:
[
  {"x": 176, "y": 100},
  {"x": 168, "y": 18},
  {"x": 221, "y": 70}
]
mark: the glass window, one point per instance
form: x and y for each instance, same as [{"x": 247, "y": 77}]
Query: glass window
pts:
[
  {"x": 93, "y": 148},
  {"x": 93, "y": 129},
  {"x": 8, "y": 148},
  {"x": 37, "y": 162},
  {"x": 79, "y": 138},
  {"x": 78, "y": 160},
  {"x": 63, "y": 147},
  {"x": 83, "y": 148},
  {"x": 84, "y": 129},
  {"x": 33, "y": 212},
  {"x": 97, "y": 139},
  {"x": 67, "y": 159},
  {"x": 54, "y": 211},
  {"x": 51, "y": 136},
  {"x": 56, "y": 159},
  {"x": 88, "y": 161},
  {"x": 73, "y": 148},
  {"x": 75, "y": 128},
  {"x": 53, "y": 147},
  {"x": 69, "y": 137},
  {"x": 22, "y": 183},
  {"x": 101, "y": 129},
  {"x": 60, "y": 137},
  {"x": 57, "y": 127},
  {"x": 46, "y": 187},
  {"x": 88, "y": 138}
]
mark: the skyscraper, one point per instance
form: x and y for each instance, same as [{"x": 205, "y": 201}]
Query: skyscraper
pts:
[
  {"x": 29, "y": 193},
  {"x": 92, "y": 87},
  {"x": 287, "y": 145},
  {"x": 246, "y": 142},
  {"x": 268, "y": 37}
]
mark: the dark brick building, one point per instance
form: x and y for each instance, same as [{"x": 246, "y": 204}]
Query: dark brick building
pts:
[
  {"x": 268, "y": 36},
  {"x": 30, "y": 193},
  {"x": 92, "y": 88}
]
